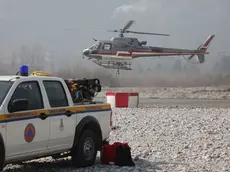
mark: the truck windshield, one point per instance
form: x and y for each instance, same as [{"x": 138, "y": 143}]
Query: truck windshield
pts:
[{"x": 4, "y": 88}]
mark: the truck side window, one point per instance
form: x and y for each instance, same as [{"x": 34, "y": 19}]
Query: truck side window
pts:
[
  {"x": 56, "y": 93},
  {"x": 28, "y": 90}
]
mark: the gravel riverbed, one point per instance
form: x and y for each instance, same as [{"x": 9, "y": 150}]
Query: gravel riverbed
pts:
[
  {"x": 162, "y": 139},
  {"x": 221, "y": 92}
]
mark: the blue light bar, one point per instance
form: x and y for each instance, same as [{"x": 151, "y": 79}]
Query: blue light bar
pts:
[{"x": 24, "y": 70}]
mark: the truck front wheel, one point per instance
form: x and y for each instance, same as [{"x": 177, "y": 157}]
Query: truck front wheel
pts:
[
  {"x": 1, "y": 162},
  {"x": 2, "y": 156},
  {"x": 85, "y": 151}
]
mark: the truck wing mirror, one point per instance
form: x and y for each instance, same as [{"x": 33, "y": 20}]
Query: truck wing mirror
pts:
[{"x": 19, "y": 105}]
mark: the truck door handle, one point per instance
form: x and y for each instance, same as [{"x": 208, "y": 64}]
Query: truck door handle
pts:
[
  {"x": 43, "y": 116},
  {"x": 68, "y": 113}
]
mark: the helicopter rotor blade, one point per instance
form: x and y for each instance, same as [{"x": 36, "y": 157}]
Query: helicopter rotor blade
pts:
[
  {"x": 112, "y": 30},
  {"x": 70, "y": 29},
  {"x": 128, "y": 24},
  {"x": 147, "y": 33}
]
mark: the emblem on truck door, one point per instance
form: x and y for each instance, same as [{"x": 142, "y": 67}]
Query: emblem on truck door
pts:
[
  {"x": 61, "y": 126},
  {"x": 29, "y": 133}
]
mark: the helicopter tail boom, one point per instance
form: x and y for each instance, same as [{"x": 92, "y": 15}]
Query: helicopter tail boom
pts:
[{"x": 203, "y": 48}]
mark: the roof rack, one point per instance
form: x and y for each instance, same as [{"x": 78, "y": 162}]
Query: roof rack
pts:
[{"x": 24, "y": 71}]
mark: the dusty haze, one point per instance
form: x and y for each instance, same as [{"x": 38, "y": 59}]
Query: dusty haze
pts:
[{"x": 32, "y": 32}]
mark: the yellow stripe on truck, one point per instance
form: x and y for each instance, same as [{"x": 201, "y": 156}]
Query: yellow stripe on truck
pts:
[{"x": 52, "y": 112}]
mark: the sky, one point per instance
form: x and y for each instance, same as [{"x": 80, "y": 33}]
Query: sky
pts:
[{"x": 189, "y": 22}]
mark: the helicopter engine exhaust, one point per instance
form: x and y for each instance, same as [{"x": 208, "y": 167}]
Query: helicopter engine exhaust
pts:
[{"x": 143, "y": 42}]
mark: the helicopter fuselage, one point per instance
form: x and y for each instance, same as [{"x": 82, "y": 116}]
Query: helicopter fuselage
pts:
[{"x": 130, "y": 48}]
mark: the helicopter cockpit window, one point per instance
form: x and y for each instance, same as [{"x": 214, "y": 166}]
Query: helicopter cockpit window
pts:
[
  {"x": 96, "y": 46},
  {"x": 107, "y": 46}
]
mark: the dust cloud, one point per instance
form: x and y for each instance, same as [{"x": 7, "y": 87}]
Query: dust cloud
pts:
[{"x": 164, "y": 73}]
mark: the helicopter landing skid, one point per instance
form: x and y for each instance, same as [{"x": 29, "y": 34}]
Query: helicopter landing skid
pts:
[{"x": 112, "y": 64}]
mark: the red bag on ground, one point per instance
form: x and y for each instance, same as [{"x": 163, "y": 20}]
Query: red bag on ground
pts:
[{"x": 108, "y": 154}]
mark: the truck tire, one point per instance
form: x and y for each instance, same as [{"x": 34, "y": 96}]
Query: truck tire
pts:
[
  {"x": 1, "y": 162},
  {"x": 85, "y": 151},
  {"x": 2, "y": 156}
]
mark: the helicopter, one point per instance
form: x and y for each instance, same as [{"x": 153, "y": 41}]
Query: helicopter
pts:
[{"x": 118, "y": 52}]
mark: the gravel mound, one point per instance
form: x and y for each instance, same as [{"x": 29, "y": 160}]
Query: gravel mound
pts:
[{"x": 162, "y": 139}]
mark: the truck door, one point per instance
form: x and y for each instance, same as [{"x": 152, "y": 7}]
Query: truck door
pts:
[
  {"x": 4, "y": 89},
  {"x": 27, "y": 132},
  {"x": 62, "y": 126}
]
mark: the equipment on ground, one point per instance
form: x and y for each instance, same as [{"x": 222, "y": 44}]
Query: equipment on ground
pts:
[{"x": 118, "y": 52}]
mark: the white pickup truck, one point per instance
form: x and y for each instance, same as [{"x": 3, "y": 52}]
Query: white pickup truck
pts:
[{"x": 38, "y": 118}]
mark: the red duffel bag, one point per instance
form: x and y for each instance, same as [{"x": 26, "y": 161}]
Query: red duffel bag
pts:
[{"x": 118, "y": 153}]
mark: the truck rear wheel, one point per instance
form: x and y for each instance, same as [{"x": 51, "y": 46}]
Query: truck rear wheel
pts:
[{"x": 85, "y": 151}]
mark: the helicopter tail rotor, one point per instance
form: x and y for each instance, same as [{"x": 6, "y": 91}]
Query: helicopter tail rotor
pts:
[{"x": 203, "y": 48}]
